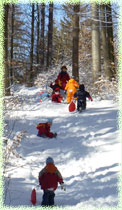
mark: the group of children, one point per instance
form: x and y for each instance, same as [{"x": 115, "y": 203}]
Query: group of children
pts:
[
  {"x": 66, "y": 85},
  {"x": 71, "y": 87},
  {"x": 49, "y": 176}
]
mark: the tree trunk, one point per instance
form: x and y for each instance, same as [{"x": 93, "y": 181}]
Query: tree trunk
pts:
[
  {"x": 96, "y": 57},
  {"x": 12, "y": 39},
  {"x": 110, "y": 38},
  {"x": 107, "y": 66},
  {"x": 75, "y": 49},
  {"x": 38, "y": 26},
  {"x": 42, "y": 33},
  {"x": 6, "y": 75},
  {"x": 50, "y": 36},
  {"x": 30, "y": 80}
]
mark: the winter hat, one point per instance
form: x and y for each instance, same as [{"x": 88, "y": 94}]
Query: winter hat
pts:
[
  {"x": 49, "y": 120},
  {"x": 49, "y": 160},
  {"x": 57, "y": 90},
  {"x": 63, "y": 67},
  {"x": 81, "y": 87}
]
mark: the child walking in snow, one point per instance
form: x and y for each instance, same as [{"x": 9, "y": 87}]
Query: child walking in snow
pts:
[
  {"x": 81, "y": 95},
  {"x": 56, "y": 96},
  {"x": 49, "y": 177},
  {"x": 44, "y": 130}
]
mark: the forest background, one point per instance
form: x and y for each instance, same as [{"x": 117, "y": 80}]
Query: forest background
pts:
[{"x": 82, "y": 36}]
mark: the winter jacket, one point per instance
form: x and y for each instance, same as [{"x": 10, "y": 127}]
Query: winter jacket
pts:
[
  {"x": 44, "y": 129},
  {"x": 62, "y": 79},
  {"x": 82, "y": 95},
  {"x": 71, "y": 89},
  {"x": 49, "y": 177},
  {"x": 56, "y": 97},
  {"x": 44, "y": 95}
]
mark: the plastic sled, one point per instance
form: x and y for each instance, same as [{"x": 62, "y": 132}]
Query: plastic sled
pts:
[
  {"x": 33, "y": 196},
  {"x": 72, "y": 107}
]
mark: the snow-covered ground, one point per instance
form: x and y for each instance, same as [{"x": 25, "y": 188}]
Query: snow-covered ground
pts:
[{"x": 86, "y": 152}]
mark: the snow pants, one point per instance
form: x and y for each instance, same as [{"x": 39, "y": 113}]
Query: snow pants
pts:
[
  {"x": 81, "y": 105},
  {"x": 48, "y": 198},
  {"x": 70, "y": 96}
]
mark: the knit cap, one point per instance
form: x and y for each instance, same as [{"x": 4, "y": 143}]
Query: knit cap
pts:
[
  {"x": 49, "y": 160},
  {"x": 49, "y": 120}
]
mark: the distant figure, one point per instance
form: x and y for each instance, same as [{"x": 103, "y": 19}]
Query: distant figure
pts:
[
  {"x": 81, "y": 95},
  {"x": 54, "y": 86},
  {"x": 56, "y": 96},
  {"x": 71, "y": 88},
  {"x": 63, "y": 78},
  {"x": 49, "y": 177},
  {"x": 45, "y": 93},
  {"x": 44, "y": 130}
]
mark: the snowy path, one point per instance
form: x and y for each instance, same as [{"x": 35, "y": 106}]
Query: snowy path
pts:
[{"x": 86, "y": 151}]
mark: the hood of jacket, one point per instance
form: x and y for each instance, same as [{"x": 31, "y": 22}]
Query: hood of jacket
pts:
[
  {"x": 50, "y": 167},
  {"x": 71, "y": 81}
]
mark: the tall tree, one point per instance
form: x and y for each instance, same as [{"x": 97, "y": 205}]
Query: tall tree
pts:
[
  {"x": 107, "y": 64},
  {"x": 110, "y": 37},
  {"x": 12, "y": 47},
  {"x": 38, "y": 34},
  {"x": 42, "y": 40},
  {"x": 50, "y": 36},
  {"x": 75, "y": 49},
  {"x": 6, "y": 75},
  {"x": 30, "y": 79},
  {"x": 96, "y": 57},
  {"x": 19, "y": 42}
]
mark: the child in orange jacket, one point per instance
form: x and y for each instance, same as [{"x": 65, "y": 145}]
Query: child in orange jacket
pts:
[{"x": 71, "y": 88}]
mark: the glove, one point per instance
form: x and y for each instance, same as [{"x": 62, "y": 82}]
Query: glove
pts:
[
  {"x": 55, "y": 134},
  {"x": 90, "y": 98},
  {"x": 63, "y": 187}
]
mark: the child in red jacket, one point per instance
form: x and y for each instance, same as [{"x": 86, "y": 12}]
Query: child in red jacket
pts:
[
  {"x": 44, "y": 130},
  {"x": 56, "y": 96},
  {"x": 49, "y": 177}
]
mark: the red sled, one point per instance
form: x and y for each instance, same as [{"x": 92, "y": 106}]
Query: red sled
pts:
[
  {"x": 72, "y": 107},
  {"x": 33, "y": 196}
]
